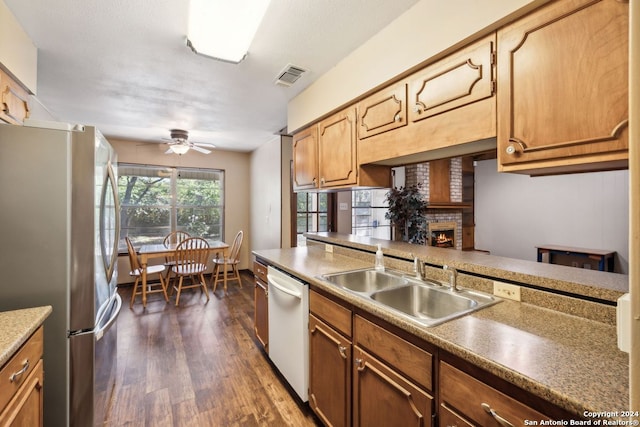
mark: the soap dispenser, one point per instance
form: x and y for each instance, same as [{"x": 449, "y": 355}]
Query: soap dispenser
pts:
[{"x": 379, "y": 259}]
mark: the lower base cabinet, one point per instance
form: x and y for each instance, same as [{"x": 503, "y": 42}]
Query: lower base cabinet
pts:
[
  {"x": 329, "y": 374},
  {"x": 382, "y": 397},
  {"x": 21, "y": 393},
  {"x": 261, "y": 305}
]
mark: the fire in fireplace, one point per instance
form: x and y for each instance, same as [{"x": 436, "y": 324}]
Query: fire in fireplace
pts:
[{"x": 442, "y": 234}]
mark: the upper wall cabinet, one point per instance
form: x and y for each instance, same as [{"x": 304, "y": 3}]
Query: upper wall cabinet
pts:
[
  {"x": 450, "y": 106},
  {"x": 337, "y": 149},
  {"x": 305, "y": 159},
  {"x": 563, "y": 88},
  {"x": 324, "y": 157},
  {"x": 460, "y": 79},
  {"x": 383, "y": 111},
  {"x": 14, "y": 105}
]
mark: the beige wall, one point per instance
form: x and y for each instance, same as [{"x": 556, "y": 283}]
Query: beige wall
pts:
[
  {"x": 237, "y": 185},
  {"x": 18, "y": 54},
  {"x": 426, "y": 30}
]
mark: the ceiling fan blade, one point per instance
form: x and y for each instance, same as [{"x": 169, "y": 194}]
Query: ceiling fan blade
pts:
[
  {"x": 204, "y": 144},
  {"x": 199, "y": 149}
]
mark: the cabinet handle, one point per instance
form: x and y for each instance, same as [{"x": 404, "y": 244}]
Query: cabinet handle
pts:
[
  {"x": 315, "y": 181},
  {"x": 359, "y": 364},
  {"x": 343, "y": 351},
  {"x": 16, "y": 375},
  {"x": 503, "y": 422},
  {"x": 515, "y": 146},
  {"x": 397, "y": 118},
  {"x": 417, "y": 109},
  {"x": 322, "y": 181}
]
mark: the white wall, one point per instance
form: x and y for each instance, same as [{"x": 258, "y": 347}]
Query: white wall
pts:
[
  {"x": 266, "y": 184},
  {"x": 515, "y": 213}
]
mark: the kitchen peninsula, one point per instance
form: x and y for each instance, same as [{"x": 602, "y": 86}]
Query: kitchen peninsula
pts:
[{"x": 555, "y": 350}]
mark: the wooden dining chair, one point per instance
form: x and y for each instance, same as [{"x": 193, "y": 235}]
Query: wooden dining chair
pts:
[
  {"x": 232, "y": 260},
  {"x": 175, "y": 237},
  {"x": 136, "y": 271},
  {"x": 191, "y": 257}
]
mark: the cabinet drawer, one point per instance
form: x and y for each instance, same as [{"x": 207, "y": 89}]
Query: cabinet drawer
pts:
[
  {"x": 27, "y": 357},
  {"x": 450, "y": 418},
  {"x": 470, "y": 397},
  {"x": 331, "y": 312},
  {"x": 412, "y": 361},
  {"x": 260, "y": 271}
]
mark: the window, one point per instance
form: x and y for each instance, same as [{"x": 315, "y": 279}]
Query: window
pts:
[
  {"x": 157, "y": 200},
  {"x": 368, "y": 208},
  {"x": 312, "y": 214}
]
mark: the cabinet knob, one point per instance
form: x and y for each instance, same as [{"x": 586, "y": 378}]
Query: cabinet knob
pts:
[
  {"x": 511, "y": 149},
  {"x": 397, "y": 118},
  {"x": 515, "y": 147},
  {"x": 322, "y": 181},
  {"x": 359, "y": 364},
  {"x": 417, "y": 109},
  {"x": 503, "y": 422}
]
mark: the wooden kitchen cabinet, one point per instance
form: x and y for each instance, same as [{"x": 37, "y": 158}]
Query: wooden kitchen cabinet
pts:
[
  {"x": 325, "y": 157},
  {"x": 330, "y": 360},
  {"x": 337, "y": 163},
  {"x": 383, "y": 111},
  {"x": 563, "y": 88},
  {"x": 14, "y": 100},
  {"x": 305, "y": 159},
  {"x": 465, "y": 397},
  {"x": 391, "y": 379},
  {"x": 261, "y": 305},
  {"x": 21, "y": 395},
  {"x": 451, "y": 110}
]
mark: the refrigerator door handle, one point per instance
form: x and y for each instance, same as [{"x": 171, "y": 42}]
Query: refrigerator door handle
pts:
[{"x": 100, "y": 331}]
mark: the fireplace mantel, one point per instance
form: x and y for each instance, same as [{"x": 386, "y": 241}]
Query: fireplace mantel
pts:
[{"x": 448, "y": 205}]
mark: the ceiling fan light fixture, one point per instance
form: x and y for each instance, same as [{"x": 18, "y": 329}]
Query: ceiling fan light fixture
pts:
[
  {"x": 180, "y": 148},
  {"x": 224, "y": 29}
]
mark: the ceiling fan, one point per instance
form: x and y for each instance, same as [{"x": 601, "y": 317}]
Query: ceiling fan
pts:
[{"x": 180, "y": 144}]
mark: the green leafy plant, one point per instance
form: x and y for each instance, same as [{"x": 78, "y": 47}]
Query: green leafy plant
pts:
[{"x": 408, "y": 213}]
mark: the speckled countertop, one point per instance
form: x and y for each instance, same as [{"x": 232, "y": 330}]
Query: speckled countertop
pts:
[
  {"x": 568, "y": 360},
  {"x": 16, "y": 327}
]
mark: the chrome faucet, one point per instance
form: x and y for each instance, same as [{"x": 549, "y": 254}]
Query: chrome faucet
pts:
[
  {"x": 418, "y": 268},
  {"x": 453, "y": 277}
]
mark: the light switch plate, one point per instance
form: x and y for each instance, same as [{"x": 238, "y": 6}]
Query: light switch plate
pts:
[{"x": 505, "y": 290}]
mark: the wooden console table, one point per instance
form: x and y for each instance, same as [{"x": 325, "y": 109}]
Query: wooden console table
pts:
[{"x": 576, "y": 257}]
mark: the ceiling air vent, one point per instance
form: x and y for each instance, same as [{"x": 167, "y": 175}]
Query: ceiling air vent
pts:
[{"x": 289, "y": 75}]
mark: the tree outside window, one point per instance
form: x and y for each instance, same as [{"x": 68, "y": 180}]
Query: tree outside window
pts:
[{"x": 155, "y": 201}]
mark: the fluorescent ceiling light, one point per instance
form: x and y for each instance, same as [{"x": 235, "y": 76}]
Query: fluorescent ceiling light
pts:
[{"x": 224, "y": 29}]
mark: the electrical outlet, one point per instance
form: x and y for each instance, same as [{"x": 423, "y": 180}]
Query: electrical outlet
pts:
[
  {"x": 328, "y": 248},
  {"x": 505, "y": 290}
]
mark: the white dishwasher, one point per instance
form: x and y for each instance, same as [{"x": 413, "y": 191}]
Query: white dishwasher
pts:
[{"x": 288, "y": 334}]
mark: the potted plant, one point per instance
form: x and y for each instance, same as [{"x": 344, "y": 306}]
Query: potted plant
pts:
[{"x": 408, "y": 213}]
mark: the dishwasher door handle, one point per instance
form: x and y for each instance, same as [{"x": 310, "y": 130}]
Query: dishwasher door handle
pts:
[{"x": 281, "y": 288}]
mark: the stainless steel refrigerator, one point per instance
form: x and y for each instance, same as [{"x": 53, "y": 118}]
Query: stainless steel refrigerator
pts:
[{"x": 59, "y": 227}]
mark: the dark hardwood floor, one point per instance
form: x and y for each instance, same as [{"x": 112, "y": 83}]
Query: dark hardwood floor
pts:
[{"x": 198, "y": 364}]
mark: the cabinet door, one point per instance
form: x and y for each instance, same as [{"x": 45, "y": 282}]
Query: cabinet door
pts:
[
  {"x": 462, "y": 78},
  {"x": 25, "y": 409},
  {"x": 563, "y": 79},
  {"x": 305, "y": 159},
  {"x": 329, "y": 374},
  {"x": 14, "y": 104},
  {"x": 384, "y": 111},
  {"x": 261, "y": 314},
  {"x": 337, "y": 149},
  {"x": 382, "y": 397}
]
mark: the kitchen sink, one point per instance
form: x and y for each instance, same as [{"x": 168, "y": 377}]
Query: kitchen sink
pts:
[
  {"x": 426, "y": 301},
  {"x": 367, "y": 281}
]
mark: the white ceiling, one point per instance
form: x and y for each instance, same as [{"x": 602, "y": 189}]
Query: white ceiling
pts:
[{"x": 123, "y": 66}]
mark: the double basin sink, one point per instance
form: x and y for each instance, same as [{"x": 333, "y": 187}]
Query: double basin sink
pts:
[{"x": 428, "y": 302}]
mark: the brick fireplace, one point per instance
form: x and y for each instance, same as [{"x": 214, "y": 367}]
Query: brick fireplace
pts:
[{"x": 442, "y": 185}]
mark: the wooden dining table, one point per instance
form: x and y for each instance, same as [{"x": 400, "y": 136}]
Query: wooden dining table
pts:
[{"x": 159, "y": 250}]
